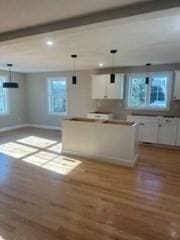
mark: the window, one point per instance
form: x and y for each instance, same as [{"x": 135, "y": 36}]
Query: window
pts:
[
  {"x": 149, "y": 91},
  {"x": 3, "y": 98},
  {"x": 57, "y": 91}
]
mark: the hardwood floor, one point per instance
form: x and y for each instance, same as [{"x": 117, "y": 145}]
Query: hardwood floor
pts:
[{"x": 45, "y": 196}]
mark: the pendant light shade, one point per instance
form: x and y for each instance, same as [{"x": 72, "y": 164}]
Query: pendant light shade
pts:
[
  {"x": 10, "y": 84},
  {"x": 74, "y": 80},
  {"x": 147, "y": 78},
  {"x": 74, "y": 77},
  {"x": 113, "y": 76}
]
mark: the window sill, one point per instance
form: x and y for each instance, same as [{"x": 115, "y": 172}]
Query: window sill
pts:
[
  {"x": 149, "y": 109},
  {"x": 4, "y": 114}
]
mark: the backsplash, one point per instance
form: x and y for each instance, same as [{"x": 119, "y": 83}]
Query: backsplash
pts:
[{"x": 118, "y": 108}]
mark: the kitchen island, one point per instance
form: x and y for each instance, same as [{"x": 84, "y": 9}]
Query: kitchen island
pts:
[{"x": 111, "y": 141}]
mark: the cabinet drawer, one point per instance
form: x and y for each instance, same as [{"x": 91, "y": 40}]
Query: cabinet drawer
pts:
[
  {"x": 142, "y": 119},
  {"x": 100, "y": 116},
  {"x": 172, "y": 121}
]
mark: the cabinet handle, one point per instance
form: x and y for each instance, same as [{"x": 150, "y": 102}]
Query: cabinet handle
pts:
[
  {"x": 142, "y": 124},
  {"x": 160, "y": 125}
]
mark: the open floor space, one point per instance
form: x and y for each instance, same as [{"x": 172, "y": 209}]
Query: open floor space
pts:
[{"x": 45, "y": 195}]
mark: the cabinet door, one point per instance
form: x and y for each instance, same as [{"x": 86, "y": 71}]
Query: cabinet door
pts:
[
  {"x": 99, "y": 86},
  {"x": 177, "y": 86},
  {"x": 148, "y": 132},
  {"x": 167, "y": 134},
  {"x": 115, "y": 90},
  {"x": 178, "y": 135}
]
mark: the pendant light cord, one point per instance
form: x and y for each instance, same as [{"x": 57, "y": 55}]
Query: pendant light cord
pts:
[
  {"x": 112, "y": 68},
  {"x": 74, "y": 67},
  {"x": 9, "y": 74}
]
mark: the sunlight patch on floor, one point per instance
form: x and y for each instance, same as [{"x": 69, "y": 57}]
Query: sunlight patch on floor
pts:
[
  {"x": 29, "y": 150},
  {"x": 40, "y": 158},
  {"x": 56, "y": 148},
  {"x": 37, "y": 141},
  {"x": 16, "y": 150},
  {"x": 53, "y": 162}
]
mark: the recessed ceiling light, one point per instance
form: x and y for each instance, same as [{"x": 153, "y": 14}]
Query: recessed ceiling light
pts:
[
  {"x": 49, "y": 43},
  {"x": 101, "y": 64}
]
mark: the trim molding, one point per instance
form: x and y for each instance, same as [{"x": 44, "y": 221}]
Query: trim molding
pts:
[
  {"x": 103, "y": 158},
  {"x": 44, "y": 126},
  {"x": 92, "y": 18},
  {"x": 13, "y": 127},
  {"x": 29, "y": 125}
]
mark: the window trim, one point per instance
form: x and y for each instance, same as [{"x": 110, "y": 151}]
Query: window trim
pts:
[
  {"x": 7, "y": 112},
  {"x": 149, "y": 74},
  {"x": 49, "y": 79}
]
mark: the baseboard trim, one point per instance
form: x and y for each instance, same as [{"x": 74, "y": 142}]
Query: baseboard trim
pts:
[
  {"x": 13, "y": 127},
  {"x": 29, "y": 125},
  {"x": 44, "y": 126},
  {"x": 102, "y": 158}
]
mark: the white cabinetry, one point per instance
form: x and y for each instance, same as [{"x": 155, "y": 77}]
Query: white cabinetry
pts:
[
  {"x": 100, "y": 116},
  {"x": 99, "y": 86},
  {"x": 177, "y": 86},
  {"x": 167, "y": 131},
  {"x": 160, "y": 130},
  {"x": 178, "y": 134},
  {"x": 102, "y": 88},
  {"x": 148, "y": 128}
]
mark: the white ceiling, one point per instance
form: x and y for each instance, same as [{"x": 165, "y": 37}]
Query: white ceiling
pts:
[
  {"x": 16, "y": 14},
  {"x": 146, "y": 38}
]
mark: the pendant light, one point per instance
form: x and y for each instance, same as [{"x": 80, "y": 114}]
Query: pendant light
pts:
[
  {"x": 147, "y": 78},
  {"x": 74, "y": 77},
  {"x": 10, "y": 84},
  {"x": 112, "y": 76}
]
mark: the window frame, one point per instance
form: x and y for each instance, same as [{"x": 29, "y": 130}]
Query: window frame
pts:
[
  {"x": 150, "y": 75},
  {"x": 6, "y": 94},
  {"x": 49, "y": 80}
]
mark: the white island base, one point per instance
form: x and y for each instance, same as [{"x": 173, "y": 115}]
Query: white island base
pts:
[{"x": 110, "y": 141}]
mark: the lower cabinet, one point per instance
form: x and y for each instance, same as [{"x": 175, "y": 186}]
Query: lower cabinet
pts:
[
  {"x": 178, "y": 134},
  {"x": 160, "y": 130},
  {"x": 167, "y": 131},
  {"x": 148, "y": 132},
  {"x": 148, "y": 128}
]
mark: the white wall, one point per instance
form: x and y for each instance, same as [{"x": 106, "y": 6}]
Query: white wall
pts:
[
  {"x": 79, "y": 97},
  {"x": 17, "y": 103},
  {"x": 29, "y": 103}
]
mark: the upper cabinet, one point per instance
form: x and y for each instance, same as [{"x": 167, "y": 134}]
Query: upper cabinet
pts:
[
  {"x": 177, "y": 86},
  {"x": 102, "y": 88},
  {"x": 99, "y": 86}
]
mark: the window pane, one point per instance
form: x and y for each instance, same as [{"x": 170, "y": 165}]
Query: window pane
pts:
[
  {"x": 57, "y": 96},
  {"x": 153, "y": 94},
  {"x": 158, "y": 91},
  {"x": 137, "y": 92}
]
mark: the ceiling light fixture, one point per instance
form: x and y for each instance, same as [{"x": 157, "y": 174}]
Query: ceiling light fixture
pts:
[
  {"x": 50, "y": 43},
  {"x": 147, "y": 68},
  {"x": 112, "y": 76},
  {"x": 101, "y": 64},
  {"x": 10, "y": 84},
  {"x": 74, "y": 77}
]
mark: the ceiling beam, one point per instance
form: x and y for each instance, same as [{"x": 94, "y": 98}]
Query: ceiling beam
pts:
[{"x": 97, "y": 17}]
